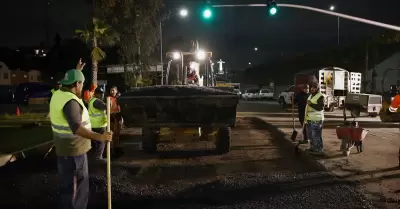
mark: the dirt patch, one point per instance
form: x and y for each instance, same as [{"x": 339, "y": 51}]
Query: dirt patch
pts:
[
  {"x": 253, "y": 149},
  {"x": 257, "y": 167}
]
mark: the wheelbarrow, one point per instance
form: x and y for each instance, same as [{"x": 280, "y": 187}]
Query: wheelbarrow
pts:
[{"x": 351, "y": 136}]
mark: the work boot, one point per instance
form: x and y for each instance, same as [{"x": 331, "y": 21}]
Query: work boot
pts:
[
  {"x": 304, "y": 142},
  {"x": 101, "y": 160}
]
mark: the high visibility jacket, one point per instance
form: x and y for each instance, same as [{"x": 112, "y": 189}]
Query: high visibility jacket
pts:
[
  {"x": 98, "y": 118},
  {"x": 395, "y": 103},
  {"x": 53, "y": 90},
  {"x": 114, "y": 105},
  {"x": 313, "y": 114},
  {"x": 66, "y": 142}
]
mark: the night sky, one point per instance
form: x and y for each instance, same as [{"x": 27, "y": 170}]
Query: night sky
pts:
[{"x": 232, "y": 34}]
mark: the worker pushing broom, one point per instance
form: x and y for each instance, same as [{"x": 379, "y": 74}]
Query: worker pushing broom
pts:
[{"x": 72, "y": 135}]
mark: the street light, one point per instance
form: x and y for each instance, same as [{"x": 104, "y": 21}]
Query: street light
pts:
[
  {"x": 182, "y": 13},
  {"x": 333, "y": 8},
  {"x": 176, "y": 55},
  {"x": 201, "y": 55},
  {"x": 255, "y": 49},
  {"x": 249, "y": 63}
]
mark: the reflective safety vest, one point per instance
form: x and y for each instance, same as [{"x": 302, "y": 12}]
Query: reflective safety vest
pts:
[
  {"x": 66, "y": 142},
  {"x": 98, "y": 118},
  {"x": 114, "y": 105},
  {"x": 313, "y": 114},
  {"x": 54, "y": 90}
]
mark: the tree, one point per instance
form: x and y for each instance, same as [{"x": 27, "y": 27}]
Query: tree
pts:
[
  {"x": 99, "y": 34},
  {"x": 137, "y": 22}
]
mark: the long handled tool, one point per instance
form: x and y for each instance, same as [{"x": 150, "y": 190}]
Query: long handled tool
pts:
[
  {"x": 294, "y": 132},
  {"x": 302, "y": 129},
  {"x": 108, "y": 154}
]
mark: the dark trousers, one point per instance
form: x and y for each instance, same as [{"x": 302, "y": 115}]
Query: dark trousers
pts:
[
  {"x": 74, "y": 181},
  {"x": 116, "y": 126},
  {"x": 301, "y": 119},
  {"x": 315, "y": 133},
  {"x": 98, "y": 146}
]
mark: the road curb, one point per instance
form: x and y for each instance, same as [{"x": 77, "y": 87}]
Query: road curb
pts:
[{"x": 282, "y": 139}]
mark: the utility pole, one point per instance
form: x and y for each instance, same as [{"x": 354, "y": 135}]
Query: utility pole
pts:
[{"x": 366, "y": 66}]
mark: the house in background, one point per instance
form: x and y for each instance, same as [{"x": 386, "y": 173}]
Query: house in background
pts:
[
  {"x": 4, "y": 74},
  {"x": 387, "y": 73},
  {"x": 34, "y": 76},
  {"x": 15, "y": 77}
]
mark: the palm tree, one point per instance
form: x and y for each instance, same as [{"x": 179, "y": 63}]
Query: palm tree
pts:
[{"x": 100, "y": 34}]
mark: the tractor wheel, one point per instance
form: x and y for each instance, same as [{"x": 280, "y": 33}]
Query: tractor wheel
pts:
[
  {"x": 149, "y": 140},
  {"x": 223, "y": 141}
]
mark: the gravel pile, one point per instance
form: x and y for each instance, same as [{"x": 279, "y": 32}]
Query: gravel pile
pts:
[
  {"x": 35, "y": 186},
  {"x": 175, "y": 91}
]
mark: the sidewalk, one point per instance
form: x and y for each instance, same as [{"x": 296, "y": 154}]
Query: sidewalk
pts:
[{"x": 376, "y": 169}]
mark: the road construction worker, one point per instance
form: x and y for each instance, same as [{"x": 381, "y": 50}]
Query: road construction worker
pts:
[
  {"x": 57, "y": 87},
  {"x": 315, "y": 119},
  {"x": 116, "y": 118},
  {"x": 301, "y": 101},
  {"x": 88, "y": 94},
  {"x": 72, "y": 133},
  {"x": 98, "y": 119}
]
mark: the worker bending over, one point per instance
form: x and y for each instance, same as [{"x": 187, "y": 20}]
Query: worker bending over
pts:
[
  {"x": 315, "y": 119},
  {"x": 98, "y": 119},
  {"x": 72, "y": 133}
]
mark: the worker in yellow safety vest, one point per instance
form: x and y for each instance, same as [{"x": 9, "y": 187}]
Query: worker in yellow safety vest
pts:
[
  {"x": 315, "y": 119},
  {"x": 98, "y": 118},
  {"x": 58, "y": 86},
  {"x": 72, "y": 132}
]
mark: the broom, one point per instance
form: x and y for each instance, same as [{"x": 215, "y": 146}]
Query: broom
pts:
[{"x": 108, "y": 154}]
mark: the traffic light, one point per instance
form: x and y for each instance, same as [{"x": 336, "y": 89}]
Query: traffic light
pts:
[
  {"x": 207, "y": 11},
  {"x": 272, "y": 7}
]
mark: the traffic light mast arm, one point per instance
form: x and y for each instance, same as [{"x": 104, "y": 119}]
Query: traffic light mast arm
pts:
[{"x": 349, "y": 17}]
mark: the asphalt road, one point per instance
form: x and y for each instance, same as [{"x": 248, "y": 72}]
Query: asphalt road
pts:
[{"x": 259, "y": 172}]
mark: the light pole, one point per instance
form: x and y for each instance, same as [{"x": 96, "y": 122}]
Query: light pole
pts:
[
  {"x": 182, "y": 13},
  {"x": 332, "y": 8}
]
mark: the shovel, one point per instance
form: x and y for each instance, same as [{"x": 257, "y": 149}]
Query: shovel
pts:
[{"x": 108, "y": 155}]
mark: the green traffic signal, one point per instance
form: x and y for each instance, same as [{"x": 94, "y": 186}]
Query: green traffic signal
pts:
[
  {"x": 273, "y": 11},
  {"x": 207, "y": 13},
  {"x": 272, "y": 7}
]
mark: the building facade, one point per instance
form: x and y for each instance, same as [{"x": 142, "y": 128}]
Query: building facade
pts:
[{"x": 15, "y": 77}]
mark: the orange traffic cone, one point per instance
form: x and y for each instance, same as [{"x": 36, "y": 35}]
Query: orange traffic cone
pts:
[{"x": 18, "y": 112}]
